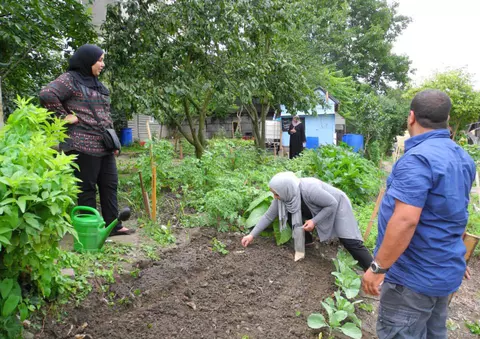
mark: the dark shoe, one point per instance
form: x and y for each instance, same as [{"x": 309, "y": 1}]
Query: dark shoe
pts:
[{"x": 127, "y": 232}]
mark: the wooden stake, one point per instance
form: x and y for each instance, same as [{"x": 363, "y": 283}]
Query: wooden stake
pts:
[
  {"x": 477, "y": 182},
  {"x": 154, "y": 177},
  {"x": 146, "y": 202},
  {"x": 181, "y": 148},
  {"x": 374, "y": 213},
  {"x": 470, "y": 242},
  {"x": 154, "y": 193}
]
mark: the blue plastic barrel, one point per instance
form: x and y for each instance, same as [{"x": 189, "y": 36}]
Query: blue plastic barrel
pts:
[
  {"x": 126, "y": 136},
  {"x": 354, "y": 140},
  {"x": 312, "y": 142}
]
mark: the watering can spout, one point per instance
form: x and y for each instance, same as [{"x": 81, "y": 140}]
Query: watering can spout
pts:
[{"x": 105, "y": 232}]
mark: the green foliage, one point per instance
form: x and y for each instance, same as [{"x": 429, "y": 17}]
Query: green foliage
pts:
[
  {"x": 366, "y": 307},
  {"x": 458, "y": 84},
  {"x": 219, "y": 247},
  {"x": 345, "y": 277},
  {"x": 473, "y": 225},
  {"x": 341, "y": 309},
  {"x": 389, "y": 113},
  {"x": 10, "y": 297},
  {"x": 34, "y": 34},
  {"x": 356, "y": 37},
  {"x": 37, "y": 187},
  {"x": 161, "y": 234},
  {"x": 363, "y": 213},
  {"x": 339, "y": 166},
  {"x": 472, "y": 150},
  {"x": 104, "y": 265},
  {"x": 474, "y": 327}
]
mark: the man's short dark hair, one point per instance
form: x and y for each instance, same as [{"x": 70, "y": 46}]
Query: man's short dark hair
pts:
[{"x": 431, "y": 108}]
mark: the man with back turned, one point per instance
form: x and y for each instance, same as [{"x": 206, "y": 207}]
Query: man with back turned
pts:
[{"x": 419, "y": 257}]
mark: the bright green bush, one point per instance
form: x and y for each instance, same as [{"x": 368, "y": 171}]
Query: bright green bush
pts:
[
  {"x": 37, "y": 188},
  {"x": 358, "y": 177}
]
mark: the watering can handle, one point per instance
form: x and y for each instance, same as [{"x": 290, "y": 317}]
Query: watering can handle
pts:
[{"x": 85, "y": 208}]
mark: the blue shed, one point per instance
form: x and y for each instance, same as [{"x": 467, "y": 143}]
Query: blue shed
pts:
[{"x": 324, "y": 127}]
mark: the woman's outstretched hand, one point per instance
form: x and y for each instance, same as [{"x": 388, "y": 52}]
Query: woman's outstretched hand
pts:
[
  {"x": 246, "y": 240},
  {"x": 308, "y": 226}
]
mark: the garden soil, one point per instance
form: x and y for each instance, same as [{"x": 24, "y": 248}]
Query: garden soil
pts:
[{"x": 194, "y": 292}]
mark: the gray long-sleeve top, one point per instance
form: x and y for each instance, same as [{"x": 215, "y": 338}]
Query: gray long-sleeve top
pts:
[{"x": 331, "y": 209}]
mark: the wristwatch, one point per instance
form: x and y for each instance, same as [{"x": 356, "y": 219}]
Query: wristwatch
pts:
[{"x": 375, "y": 267}]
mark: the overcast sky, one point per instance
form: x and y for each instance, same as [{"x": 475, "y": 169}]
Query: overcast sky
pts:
[{"x": 442, "y": 35}]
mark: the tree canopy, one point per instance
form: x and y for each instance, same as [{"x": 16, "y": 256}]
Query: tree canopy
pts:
[
  {"x": 35, "y": 38},
  {"x": 458, "y": 84}
]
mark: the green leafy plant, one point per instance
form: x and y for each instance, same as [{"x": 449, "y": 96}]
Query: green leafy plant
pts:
[
  {"x": 339, "y": 166},
  {"x": 161, "y": 234},
  {"x": 341, "y": 308},
  {"x": 346, "y": 278},
  {"x": 366, "y": 307},
  {"x": 219, "y": 247},
  {"x": 335, "y": 321},
  {"x": 37, "y": 188},
  {"x": 452, "y": 325},
  {"x": 257, "y": 209},
  {"x": 473, "y": 326}
]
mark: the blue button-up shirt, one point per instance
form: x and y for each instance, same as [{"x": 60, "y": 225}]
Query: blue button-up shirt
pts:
[{"x": 436, "y": 175}]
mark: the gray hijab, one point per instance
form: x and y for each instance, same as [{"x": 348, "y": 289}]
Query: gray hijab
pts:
[{"x": 287, "y": 186}]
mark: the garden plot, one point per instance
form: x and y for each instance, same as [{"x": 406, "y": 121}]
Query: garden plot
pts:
[{"x": 194, "y": 291}]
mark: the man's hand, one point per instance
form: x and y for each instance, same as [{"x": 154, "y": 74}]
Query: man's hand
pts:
[
  {"x": 371, "y": 282},
  {"x": 308, "y": 226},
  {"x": 468, "y": 274},
  {"x": 246, "y": 240}
]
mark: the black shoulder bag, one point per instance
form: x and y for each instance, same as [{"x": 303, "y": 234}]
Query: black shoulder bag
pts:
[{"x": 109, "y": 136}]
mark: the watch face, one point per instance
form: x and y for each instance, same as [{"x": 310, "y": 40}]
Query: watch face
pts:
[{"x": 374, "y": 267}]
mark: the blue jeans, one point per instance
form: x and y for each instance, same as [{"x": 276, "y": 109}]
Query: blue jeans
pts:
[{"x": 405, "y": 314}]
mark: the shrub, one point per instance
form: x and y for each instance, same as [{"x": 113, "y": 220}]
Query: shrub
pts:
[
  {"x": 359, "y": 178},
  {"x": 37, "y": 188}
]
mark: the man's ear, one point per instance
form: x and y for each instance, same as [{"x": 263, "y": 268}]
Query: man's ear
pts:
[{"x": 411, "y": 118}]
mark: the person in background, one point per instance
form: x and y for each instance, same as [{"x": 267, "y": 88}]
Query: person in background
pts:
[
  {"x": 419, "y": 257},
  {"x": 313, "y": 204},
  {"x": 73, "y": 96},
  {"x": 296, "y": 131}
]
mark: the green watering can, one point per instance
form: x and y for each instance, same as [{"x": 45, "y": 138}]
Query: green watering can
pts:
[{"x": 91, "y": 229}]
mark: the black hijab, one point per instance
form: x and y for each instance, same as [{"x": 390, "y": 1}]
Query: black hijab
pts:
[{"x": 81, "y": 67}]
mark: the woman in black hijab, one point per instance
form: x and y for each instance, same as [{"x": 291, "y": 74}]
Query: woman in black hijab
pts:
[{"x": 82, "y": 100}]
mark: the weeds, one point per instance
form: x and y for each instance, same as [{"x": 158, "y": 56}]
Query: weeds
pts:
[
  {"x": 474, "y": 327},
  {"x": 218, "y": 246}
]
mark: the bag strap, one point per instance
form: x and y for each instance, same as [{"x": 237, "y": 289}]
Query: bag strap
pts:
[{"x": 84, "y": 92}]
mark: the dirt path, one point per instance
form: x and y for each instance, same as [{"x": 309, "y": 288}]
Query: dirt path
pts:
[{"x": 192, "y": 292}]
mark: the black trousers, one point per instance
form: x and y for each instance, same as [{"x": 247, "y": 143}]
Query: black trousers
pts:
[
  {"x": 355, "y": 247},
  {"x": 358, "y": 251},
  {"x": 101, "y": 172}
]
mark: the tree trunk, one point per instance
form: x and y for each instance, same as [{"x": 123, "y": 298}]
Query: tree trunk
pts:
[
  {"x": 201, "y": 126},
  {"x": 263, "y": 118},
  {"x": 252, "y": 113}
]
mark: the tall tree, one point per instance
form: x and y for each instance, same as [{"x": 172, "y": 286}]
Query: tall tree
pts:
[
  {"x": 172, "y": 58},
  {"x": 458, "y": 84},
  {"x": 268, "y": 74},
  {"x": 35, "y": 35},
  {"x": 356, "y": 37}
]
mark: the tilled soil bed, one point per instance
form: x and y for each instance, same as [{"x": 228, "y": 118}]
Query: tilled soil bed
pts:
[{"x": 194, "y": 292}]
